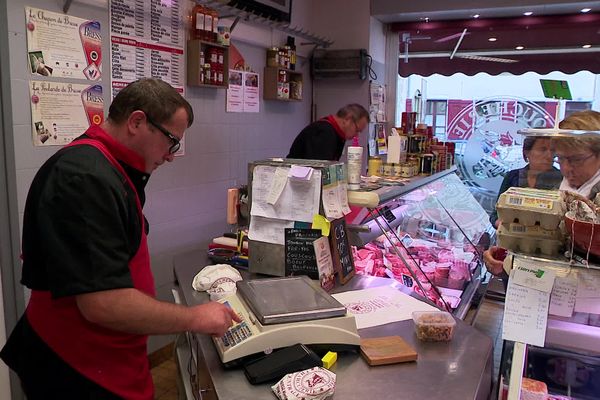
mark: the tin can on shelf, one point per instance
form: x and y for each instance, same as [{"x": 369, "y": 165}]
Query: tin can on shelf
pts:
[
  {"x": 387, "y": 169},
  {"x": 426, "y": 164},
  {"x": 406, "y": 170},
  {"x": 374, "y": 166}
]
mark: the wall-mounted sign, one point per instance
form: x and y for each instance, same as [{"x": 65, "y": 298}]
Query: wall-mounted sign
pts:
[{"x": 63, "y": 46}]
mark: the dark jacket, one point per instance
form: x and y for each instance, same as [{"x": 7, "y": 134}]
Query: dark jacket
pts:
[{"x": 318, "y": 141}]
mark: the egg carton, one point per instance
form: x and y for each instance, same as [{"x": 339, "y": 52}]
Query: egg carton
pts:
[
  {"x": 533, "y": 230},
  {"x": 530, "y": 207},
  {"x": 528, "y": 244}
]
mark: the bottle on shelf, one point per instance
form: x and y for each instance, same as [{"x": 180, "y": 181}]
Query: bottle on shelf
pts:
[
  {"x": 197, "y": 26},
  {"x": 215, "y": 25},
  {"x": 292, "y": 52},
  {"x": 208, "y": 22}
]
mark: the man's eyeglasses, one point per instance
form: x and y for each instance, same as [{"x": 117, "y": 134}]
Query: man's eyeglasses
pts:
[
  {"x": 573, "y": 161},
  {"x": 176, "y": 142}
]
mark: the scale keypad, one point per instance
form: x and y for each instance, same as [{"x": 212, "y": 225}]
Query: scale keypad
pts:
[{"x": 236, "y": 334}]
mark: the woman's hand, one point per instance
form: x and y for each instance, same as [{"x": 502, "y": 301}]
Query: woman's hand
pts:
[{"x": 494, "y": 265}]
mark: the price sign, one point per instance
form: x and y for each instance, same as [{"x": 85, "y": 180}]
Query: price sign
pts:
[
  {"x": 342, "y": 254},
  {"x": 300, "y": 256}
]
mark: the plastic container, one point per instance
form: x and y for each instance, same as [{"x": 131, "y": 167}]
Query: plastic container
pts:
[
  {"x": 531, "y": 207},
  {"x": 434, "y": 326}
]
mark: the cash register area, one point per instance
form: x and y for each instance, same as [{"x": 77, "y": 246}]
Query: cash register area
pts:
[{"x": 488, "y": 320}]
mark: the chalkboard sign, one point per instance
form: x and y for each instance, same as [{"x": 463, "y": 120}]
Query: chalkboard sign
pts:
[
  {"x": 341, "y": 252},
  {"x": 300, "y": 256}
]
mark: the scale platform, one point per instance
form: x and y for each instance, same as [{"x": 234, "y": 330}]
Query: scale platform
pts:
[{"x": 281, "y": 312}]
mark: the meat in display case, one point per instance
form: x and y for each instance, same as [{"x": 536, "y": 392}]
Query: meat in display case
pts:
[{"x": 428, "y": 234}]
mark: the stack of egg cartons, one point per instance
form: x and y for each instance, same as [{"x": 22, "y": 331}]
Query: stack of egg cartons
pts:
[{"x": 530, "y": 221}]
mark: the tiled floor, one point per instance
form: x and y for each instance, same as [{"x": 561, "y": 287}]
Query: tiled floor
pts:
[{"x": 165, "y": 380}]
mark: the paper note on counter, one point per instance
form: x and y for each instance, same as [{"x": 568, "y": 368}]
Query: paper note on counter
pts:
[
  {"x": 335, "y": 192},
  {"x": 298, "y": 201},
  {"x": 588, "y": 291},
  {"x": 380, "y": 305},
  {"x": 534, "y": 278},
  {"x": 525, "y": 314}
]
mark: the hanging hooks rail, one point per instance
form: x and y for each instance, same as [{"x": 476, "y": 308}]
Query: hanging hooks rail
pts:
[{"x": 223, "y": 8}]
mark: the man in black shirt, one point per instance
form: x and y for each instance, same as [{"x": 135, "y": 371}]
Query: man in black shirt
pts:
[
  {"x": 325, "y": 139},
  {"x": 86, "y": 259}
]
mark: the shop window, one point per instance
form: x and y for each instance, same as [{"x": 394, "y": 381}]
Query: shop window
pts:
[
  {"x": 574, "y": 106},
  {"x": 435, "y": 116}
]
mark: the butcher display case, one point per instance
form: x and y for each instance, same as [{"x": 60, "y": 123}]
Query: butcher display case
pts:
[{"x": 428, "y": 234}]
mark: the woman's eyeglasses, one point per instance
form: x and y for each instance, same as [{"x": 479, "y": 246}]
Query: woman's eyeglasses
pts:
[
  {"x": 176, "y": 143},
  {"x": 573, "y": 161}
]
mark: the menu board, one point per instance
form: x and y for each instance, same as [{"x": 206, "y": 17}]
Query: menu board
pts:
[
  {"x": 300, "y": 258},
  {"x": 147, "y": 39}
]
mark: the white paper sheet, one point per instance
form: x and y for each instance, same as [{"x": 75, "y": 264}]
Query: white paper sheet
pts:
[
  {"x": 268, "y": 230},
  {"x": 299, "y": 201},
  {"x": 525, "y": 314},
  {"x": 279, "y": 182},
  {"x": 562, "y": 298},
  {"x": 380, "y": 305},
  {"x": 393, "y": 155}
]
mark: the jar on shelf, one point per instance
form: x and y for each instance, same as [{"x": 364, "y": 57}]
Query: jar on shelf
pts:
[
  {"x": 273, "y": 57},
  {"x": 207, "y": 74}
]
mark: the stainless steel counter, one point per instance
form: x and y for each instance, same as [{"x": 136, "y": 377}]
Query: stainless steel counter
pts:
[{"x": 459, "y": 370}]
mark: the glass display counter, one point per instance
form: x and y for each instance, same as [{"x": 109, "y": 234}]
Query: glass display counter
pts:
[
  {"x": 569, "y": 361},
  {"x": 428, "y": 234}
]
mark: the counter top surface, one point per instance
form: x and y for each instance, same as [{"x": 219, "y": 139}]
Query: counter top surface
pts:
[{"x": 461, "y": 369}]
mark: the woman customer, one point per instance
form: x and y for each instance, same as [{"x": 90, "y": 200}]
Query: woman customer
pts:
[
  {"x": 579, "y": 160},
  {"x": 538, "y": 173}
]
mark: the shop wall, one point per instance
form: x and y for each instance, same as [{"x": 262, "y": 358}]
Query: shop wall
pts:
[{"x": 185, "y": 199}]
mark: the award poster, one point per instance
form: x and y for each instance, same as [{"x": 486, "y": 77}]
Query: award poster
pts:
[
  {"x": 235, "y": 92},
  {"x": 146, "y": 40},
  {"x": 251, "y": 96},
  {"x": 63, "y": 46},
  {"x": 62, "y": 111},
  {"x": 242, "y": 93}
]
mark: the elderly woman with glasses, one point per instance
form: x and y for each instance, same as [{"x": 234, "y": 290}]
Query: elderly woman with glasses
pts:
[{"x": 579, "y": 160}]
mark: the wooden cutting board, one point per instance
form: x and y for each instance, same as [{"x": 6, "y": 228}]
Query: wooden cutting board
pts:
[{"x": 386, "y": 350}]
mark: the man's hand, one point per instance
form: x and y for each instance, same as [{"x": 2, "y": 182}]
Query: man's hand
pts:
[{"x": 213, "y": 318}]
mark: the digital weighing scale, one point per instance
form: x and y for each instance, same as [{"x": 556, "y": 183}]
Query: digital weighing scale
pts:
[{"x": 280, "y": 312}]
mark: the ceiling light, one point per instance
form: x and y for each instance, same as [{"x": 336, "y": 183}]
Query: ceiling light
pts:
[
  {"x": 584, "y": 10},
  {"x": 492, "y": 39},
  {"x": 477, "y": 15},
  {"x": 519, "y": 47},
  {"x": 528, "y": 13},
  {"x": 586, "y": 46}
]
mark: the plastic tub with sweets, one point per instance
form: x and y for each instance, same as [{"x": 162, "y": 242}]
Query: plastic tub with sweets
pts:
[{"x": 434, "y": 326}]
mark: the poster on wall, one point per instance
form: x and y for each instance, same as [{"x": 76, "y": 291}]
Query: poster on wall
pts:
[
  {"x": 63, "y": 46},
  {"x": 242, "y": 93},
  {"x": 235, "y": 91},
  {"x": 251, "y": 96},
  {"x": 62, "y": 111},
  {"x": 146, "y": 40}
]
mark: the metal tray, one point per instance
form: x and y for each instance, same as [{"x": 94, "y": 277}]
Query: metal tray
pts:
[{"x": 289, "y": 299}]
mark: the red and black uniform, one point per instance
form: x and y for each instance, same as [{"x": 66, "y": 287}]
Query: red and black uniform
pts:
[
  {"x": 321, "y": 140},
  {"x": 83, "y": 232}
]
